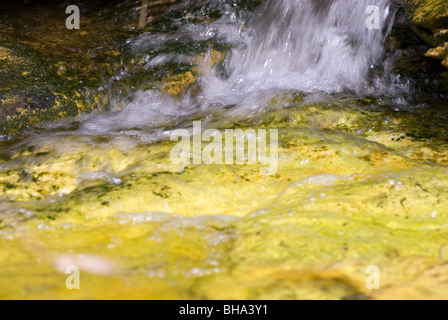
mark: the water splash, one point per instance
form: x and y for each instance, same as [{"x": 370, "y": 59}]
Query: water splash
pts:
[
  {"x": 310, "y": 45},
  {"x": 305, "y": 45}
]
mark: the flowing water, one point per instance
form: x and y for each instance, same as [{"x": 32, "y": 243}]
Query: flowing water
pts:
[{"x": 362, "y": 177}]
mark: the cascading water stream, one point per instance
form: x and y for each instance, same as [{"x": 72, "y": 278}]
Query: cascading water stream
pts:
[
  {"x": 305, "y": 45},
  {"x": 310, "y": 45}
]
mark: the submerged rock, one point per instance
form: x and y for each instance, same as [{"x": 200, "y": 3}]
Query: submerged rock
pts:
[{"x": 357, "y": 185}]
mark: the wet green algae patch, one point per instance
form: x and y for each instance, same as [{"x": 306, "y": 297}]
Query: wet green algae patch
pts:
[
  {"x": 50, "y": 73},
  {"x": 29, "y": 91},
  {"x": 351, "y": 191},
  {"x": 429, "y": 19},
  {"x": 32, "y": 92}
]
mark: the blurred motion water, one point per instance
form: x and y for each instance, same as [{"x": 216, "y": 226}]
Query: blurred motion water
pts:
[
  {"x": 310, "y": 46},
  {"x": 306, "y": 45}
]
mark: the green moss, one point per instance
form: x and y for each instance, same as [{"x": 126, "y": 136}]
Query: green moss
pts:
[{"x": 429, "y": 18}]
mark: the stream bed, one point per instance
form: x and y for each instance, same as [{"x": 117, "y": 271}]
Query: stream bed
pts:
[{"x": 362, "y": 175}]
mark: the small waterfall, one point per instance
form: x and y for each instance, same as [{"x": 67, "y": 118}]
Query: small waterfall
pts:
[
  {"x": 311, "y": 45},
  {"x": 305, "y": 45}
]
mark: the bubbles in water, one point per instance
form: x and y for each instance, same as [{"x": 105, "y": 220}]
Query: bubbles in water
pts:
[
  {"x": 304, "y": 45},
  {"x": 309, "y": 45}
]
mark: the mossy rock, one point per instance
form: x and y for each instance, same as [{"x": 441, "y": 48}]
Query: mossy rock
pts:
[
  {"x": 30, "y": 90},
  {"x": 50, "y": 76},
  {"x": 429, "y": 14},
  {"x": 429, "y": 19},
  {"x": 351, "y": 191}
]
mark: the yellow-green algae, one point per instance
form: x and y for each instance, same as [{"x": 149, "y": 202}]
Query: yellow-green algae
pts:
[
  {"x": 50, "y": 75},
  {"x": 430, "y": 21},
  {"x": 352, "y": 190},
  {"x": 47, "y": 76}
]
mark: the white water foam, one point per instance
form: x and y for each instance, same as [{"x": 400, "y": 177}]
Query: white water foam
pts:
[{"x": 305, "y": 45}]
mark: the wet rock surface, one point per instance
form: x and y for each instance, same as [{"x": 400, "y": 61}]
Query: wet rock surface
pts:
[
  {"x": 362, "y": 175},
  {"x": 50, "y": 73},
  {"x": 430, "y": 20}
]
